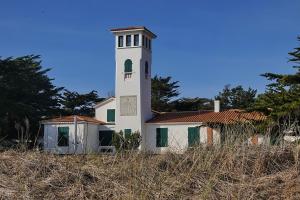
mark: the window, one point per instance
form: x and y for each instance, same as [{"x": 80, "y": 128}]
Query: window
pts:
[
  {"x": 128, "y": 66},
  {"x": 105, "y": 138},
  {"x": 128, "y": 40},
  {"x": 120, "y": 41},
  {"x": 127, "y": 133},
  {"x": 146, "y": 41},
  {"x": 110, "y": 115},
  {"x": 149, "y": 44},
  {"x": 193, "y": 136},
  {"x": 146, "y": 70},
  {"x": 143, "y": 40},
  {"x": 136, "y": 40},
  {"x": 63, "y": 136},
  {"x": 161, "y": 137}
]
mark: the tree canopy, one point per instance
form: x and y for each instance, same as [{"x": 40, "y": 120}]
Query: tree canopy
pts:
[
  {"x": 26, "y": 93},
  {"x": 74, "y": 103},
  {"x": 236, "y": 97},
  {"x": 164, "y": 90},
  {"x": 282, "y": 96},
  {"x": 193, "y": 104}
]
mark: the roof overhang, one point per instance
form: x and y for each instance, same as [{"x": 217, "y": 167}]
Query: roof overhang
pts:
[
  {"x": 78, "y": 122},
  {"x": 105, "y": 101},
  {"x": 133, "y": 28}
]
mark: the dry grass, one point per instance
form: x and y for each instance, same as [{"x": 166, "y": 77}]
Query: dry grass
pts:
[{"x": 228, "y": 172}]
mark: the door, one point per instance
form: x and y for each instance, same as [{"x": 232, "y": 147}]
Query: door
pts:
[
  {"x": 210, "y": 136},
  {"x": 105, "y": 138},
  {"x": 64, "y": 141},
  {"x": 80, "y": 140},
  {"x": 193, "y": 136}
]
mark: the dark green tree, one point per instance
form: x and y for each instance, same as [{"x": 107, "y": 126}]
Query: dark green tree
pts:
[
  {"x": 282, "y": 96},
  {"x": 192, "y": 104},
  {"x": 236, "y": 97},
  {"x": 74, "y": 103},
  {"x": 164, "y": 90},
  {"x": 27, "y": 95}
]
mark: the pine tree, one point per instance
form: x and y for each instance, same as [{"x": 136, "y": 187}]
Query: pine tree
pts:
[
  {"x": 282, "y": 97},
  {"x": 26, "y": 95}
]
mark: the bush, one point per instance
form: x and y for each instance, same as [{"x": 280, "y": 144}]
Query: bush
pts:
[{"x": 131, "y": 142}]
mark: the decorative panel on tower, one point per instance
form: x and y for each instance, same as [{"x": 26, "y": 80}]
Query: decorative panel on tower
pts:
[{"x": 128, "y": 105}]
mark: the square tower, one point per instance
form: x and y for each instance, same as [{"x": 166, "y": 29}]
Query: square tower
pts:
[{"x": 133, "y": 55}]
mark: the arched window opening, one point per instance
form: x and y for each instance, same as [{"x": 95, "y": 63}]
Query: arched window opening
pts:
[{"x": 128, "y": 68}]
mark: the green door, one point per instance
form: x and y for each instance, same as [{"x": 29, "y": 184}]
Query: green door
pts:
[{"x": 193, "y": 136}]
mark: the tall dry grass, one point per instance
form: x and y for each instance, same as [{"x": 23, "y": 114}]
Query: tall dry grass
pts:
[
  {"x": 253, "y": 172},
  {"x": 233, "y": 170}
]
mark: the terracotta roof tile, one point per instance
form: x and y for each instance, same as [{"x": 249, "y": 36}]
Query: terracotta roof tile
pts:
[
  {"x": 225, "y": 117},
  {"x": 70, "y": 118}
]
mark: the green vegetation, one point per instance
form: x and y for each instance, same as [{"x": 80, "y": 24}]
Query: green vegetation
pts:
[
  {"x": 27, "y": 95},
  {"x": 74, "y": 103},
  {"x": 123, "y": 141},
  {"x": 163, "y": 92},
  {"x": 236, "y": 97},
  {"x": 282, "y": 98}
]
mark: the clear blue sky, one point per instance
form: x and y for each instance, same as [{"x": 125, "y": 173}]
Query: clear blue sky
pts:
[{"x": 202, "y": 44}]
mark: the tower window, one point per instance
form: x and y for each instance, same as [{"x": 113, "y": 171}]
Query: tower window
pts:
[
  {"x": 136, "y": 40},
  {"x": 128, "y": 68},
  {"x": 120, "y": 41},
  {"x": 149, "y": 44},
  {"x": 143, "y": 40},
  {"x": 146, "y": 40},
  {"x": 146, "y": 70},
  {"x": 128, "y": 40}
]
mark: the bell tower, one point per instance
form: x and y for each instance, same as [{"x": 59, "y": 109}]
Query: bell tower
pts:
[{"x": 133, "y": 56}]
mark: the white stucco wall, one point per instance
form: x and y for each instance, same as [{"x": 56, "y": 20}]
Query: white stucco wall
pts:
[
  {"x": 51, "y": 137},
  {"x": 216, "y": 135},
  {"x": 137, "y": 85},
  {"x": 101, "y": 111},
  {"x": 177, "y": 137},
  {"x": 87, "y": 138},
  {"x": 92, "y": 140}
]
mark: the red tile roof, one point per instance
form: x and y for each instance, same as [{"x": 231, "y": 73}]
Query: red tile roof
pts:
[
  {"x": 224, "y": 117},
  {"x": 70, "y": 118},
  {"x": 133, "y": 28}
]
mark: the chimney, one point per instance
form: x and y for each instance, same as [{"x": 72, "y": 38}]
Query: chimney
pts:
[{"x": 217, "y": 105}]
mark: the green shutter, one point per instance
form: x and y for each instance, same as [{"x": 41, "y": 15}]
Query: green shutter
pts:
[
  {"x": 110, "y": 115},
  {"x": 161, "y": 137},
  {"x": 193, "y": 136},
  {"x": 63, "y": 136},
  {"x": 128, "y": 66},
  {"x": 127, "y": 133}
]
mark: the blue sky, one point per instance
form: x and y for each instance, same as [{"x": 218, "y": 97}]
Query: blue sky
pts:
[{"x": 202, "y": 44}]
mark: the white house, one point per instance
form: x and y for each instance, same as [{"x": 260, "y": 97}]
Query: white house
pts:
[{"x": 130, "y": 110}]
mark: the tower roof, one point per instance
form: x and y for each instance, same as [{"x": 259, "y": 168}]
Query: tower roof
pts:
[{"x": 133, "y": 28}]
